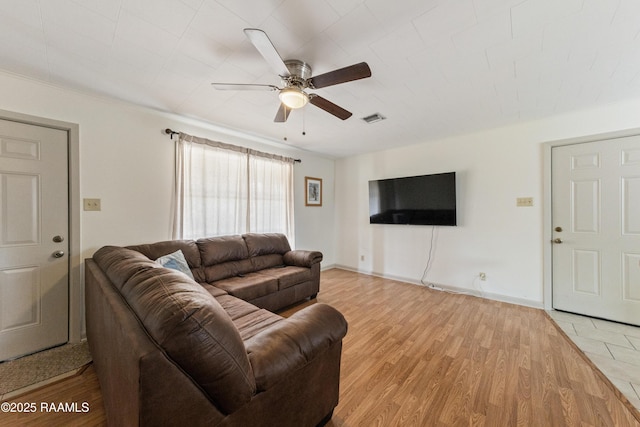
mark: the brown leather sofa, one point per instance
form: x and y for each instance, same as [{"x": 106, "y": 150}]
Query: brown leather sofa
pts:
[
  {"x": 169, "y": 350},
  {"x": 258, "y": 268}
]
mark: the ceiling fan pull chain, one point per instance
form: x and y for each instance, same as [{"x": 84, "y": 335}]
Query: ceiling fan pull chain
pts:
[{"x": 304, "y": 115}]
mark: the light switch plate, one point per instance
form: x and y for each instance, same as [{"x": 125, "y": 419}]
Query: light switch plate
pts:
[
  {"x": 91, "y": 204},
  {"x": 524, "y": 201}
]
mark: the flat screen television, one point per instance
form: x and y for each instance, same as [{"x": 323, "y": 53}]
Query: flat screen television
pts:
[{"x": 414, "y": 200}]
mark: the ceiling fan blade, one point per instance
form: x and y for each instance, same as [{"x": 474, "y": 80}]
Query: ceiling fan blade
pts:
[
  {"x": 283, "y": 114},
  {"x": 329, "y": 107},
  {"x": 262, "y": 42},
  {"x": 242, "y": 86},
  {"x": 342, "y": 75}
]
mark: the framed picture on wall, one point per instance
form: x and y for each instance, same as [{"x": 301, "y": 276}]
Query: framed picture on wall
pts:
[{"x": 313, "y": 191}]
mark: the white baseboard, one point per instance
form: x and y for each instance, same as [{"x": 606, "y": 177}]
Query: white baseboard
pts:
[
  {"x": 329, "y": 267},
  {"x": 473, "y": 292}
]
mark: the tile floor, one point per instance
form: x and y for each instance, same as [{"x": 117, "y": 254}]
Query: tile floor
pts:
[{"x": 613, "y": 347}]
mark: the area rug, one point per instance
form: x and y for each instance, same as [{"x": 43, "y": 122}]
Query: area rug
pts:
[{"x": 28, "y": 371}]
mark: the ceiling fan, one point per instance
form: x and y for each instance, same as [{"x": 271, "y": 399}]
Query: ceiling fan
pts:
[{"x": 296, "y": 77}]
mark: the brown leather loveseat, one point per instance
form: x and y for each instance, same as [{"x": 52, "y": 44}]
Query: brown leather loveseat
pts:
[{"x": 171, "y": 350}]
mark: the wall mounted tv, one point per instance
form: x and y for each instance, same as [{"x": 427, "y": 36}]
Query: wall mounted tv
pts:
[{"x": 414, "y": 200}]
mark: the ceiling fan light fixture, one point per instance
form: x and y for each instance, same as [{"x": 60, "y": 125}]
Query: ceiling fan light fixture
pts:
[{"x": 293, "y": 97}]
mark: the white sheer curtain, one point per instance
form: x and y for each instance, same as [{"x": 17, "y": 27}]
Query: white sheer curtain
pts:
[
  {"x": 271, "y": 196},
  {"x": 223, "y": 189}
]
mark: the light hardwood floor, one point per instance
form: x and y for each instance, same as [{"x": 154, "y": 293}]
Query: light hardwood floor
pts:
[{"x": 415, "y": 356}]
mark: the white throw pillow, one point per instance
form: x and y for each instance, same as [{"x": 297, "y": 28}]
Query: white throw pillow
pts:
[{"x": 176, "y": 261}]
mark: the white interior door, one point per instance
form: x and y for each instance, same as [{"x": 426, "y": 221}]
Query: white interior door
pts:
[
  {"x": 34, "y": 268},
  {"x": 596, "y": 223}
]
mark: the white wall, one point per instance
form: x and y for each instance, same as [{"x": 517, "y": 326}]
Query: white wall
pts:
[
  {"x": 315, "y": 225},
  {"x": 127, "y": 161},
  {"x": 493, "y": 235}
]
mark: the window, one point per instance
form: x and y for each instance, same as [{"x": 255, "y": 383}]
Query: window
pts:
[{"x": 223, "y": 189}]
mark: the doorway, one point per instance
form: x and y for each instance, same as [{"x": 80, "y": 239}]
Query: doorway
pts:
[
  {"x": 27, "y": 230},
  {"x": 595, "y": 228}
]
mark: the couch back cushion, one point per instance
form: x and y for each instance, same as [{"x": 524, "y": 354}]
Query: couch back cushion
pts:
[
  {"x": 224, "y": 257},
  {"x": 189, "y": 250},
  {"x": 188, "y": 323},
  {"x": 266, "y": 250},
  {"x": 120, "y": 265}
]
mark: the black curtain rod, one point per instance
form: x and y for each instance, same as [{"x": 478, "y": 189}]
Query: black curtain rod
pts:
[{"x": 172, "y": 132}]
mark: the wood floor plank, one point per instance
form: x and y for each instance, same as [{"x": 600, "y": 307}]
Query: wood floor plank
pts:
[
  {"x": 419, "y": 357},
  {"x": 80, "y": 394},
  {"x": 529, "y": 374}
]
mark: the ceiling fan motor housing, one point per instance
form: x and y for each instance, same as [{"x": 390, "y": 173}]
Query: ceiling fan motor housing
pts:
[{"x": 299, "y": 73}]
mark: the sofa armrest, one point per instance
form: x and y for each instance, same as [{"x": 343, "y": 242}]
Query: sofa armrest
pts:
[
  {"x": 301, "y": 258},
  {"x": 292, "y": 343}
]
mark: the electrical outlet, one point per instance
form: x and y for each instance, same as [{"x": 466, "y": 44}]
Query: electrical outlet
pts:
[
  {"x": 482, "y": 276},
  {"x": 361, "y": 257},
  {"x": 524, "y": 201},
  {"x": 91, "y": 204}
]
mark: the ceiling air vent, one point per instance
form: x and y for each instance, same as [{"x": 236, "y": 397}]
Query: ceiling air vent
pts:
[{"x": 374, "y": 118}]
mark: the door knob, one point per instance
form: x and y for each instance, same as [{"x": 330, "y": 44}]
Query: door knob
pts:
[
  {"x": 557, "y": 240},
  {"x": 58, "y": 239},
  {"x": 58, "y": 254},
  {"x": 558, "y": 229}
]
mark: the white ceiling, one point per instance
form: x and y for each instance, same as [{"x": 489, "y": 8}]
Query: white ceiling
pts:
[{"x": 440, "y": 67}]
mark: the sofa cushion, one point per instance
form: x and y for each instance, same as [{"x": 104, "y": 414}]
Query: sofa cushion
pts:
[
  {"x": 266, "y": 244},
  {"x": 288, "y": 276},
  {"x": 254, "y": 323},
  {"x": 224, "y": 257},
  {"x": 266, "y": 250},
  {"x": 215, "y": 292},
  {"x": 121, "y": 264},
  {"x": 235, "y": 307},
  {"x": 216, "y": 250},
  {"x": 248, "y": 287},
  {"x": 225, "y": 270},
  {"x": 261, "y": 262},
  {"x": 249, "y": 319}
]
